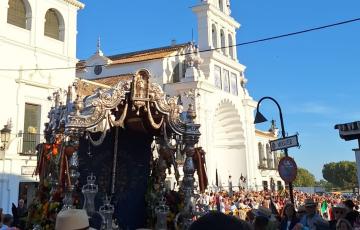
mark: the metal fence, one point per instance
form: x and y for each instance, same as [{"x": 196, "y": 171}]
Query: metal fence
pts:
[{"x": 28, "y": 142}]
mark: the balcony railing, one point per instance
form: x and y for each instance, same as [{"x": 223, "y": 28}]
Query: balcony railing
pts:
[
  {"x": 28, "y": 142},
  {"x": 265, "y": 167}
]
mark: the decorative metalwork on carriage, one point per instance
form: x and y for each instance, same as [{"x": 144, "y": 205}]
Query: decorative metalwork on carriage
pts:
[
  {"x": 167, "y": 106},
  {"x": 112, "y": 105},
  {"x": 96, "y": 107},
  {"x": 87, "y": 112},
  {"x": 140, "y": 91},
  {"x": 56, "y": 115}
]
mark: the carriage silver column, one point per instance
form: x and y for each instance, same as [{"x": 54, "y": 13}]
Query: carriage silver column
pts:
[{"x": 191, "y": 137}]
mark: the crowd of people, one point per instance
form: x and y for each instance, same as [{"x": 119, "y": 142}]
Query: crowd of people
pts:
[
  {"x": 15, "y": 220},
  {"x": 272, "y": 210},
  {"x": 258, "y": 210}
]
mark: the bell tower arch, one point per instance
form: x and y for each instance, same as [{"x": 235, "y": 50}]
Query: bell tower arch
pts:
[{"x": 216, "y": 27}]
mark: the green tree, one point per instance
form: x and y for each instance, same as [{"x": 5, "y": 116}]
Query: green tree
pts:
[
  {"x": 304, "y": 178},
  {"x": 341, "y": 174},
  {"x": 324, "y": 184}
]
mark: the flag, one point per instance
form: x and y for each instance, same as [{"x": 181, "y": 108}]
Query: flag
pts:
[
  {"x": 326, "y": 211},
  {"x": 324, "y": 206}
]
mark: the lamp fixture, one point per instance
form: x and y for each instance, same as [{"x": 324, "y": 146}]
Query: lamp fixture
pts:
[
  {"x": 259, "y": 118},
  {"x": 5, "y": 136}
]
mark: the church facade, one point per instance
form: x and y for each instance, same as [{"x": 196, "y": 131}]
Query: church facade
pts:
[
  {"x": 38, "y": 44},
  {"x": 38, "y": 55},
  {"x": 214, "y": 82}
]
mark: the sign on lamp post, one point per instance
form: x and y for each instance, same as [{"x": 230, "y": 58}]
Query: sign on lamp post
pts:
[
  {"x": 287, "y": 169},
  {"x": 284, "y": 143}
]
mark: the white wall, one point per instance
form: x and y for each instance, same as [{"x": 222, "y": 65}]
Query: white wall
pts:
[
  {"x": 160, "y": 69},
  {"x": 23, "y": 49},
  {"x": 264, "y": 174}
]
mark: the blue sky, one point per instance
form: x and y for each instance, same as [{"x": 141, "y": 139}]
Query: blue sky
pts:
[{"x": 314, "y": 76}]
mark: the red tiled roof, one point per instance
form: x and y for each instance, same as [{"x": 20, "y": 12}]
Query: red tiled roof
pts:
[
  {"x": 143, "y": 55},
  {"x": 113, "y": 80},
  {"x": 265, "y": 134},
  {"x": 88, "y": 87}
]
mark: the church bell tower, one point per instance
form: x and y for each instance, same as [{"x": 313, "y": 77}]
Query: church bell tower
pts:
[{"x": 216, "y": 27}]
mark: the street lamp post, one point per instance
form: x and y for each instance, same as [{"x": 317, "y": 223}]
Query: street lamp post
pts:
[{"x": 259, "y": 118}]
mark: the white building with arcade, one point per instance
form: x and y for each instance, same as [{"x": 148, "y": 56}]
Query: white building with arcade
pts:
[{"x": 38, "y": 55}]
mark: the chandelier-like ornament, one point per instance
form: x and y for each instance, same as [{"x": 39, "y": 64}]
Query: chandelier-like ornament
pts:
[
  {"x": 90, "y": 190},
  {"x": 107, "y": 211}
]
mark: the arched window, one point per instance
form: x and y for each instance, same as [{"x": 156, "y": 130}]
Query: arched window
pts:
[
  {"x": 17, "y": 14},
  {"x": 214, "y": 36},
  {"x": 176, "y": 73},
  {"x": 54, "y": 25},
  {"x": 269, "y": 158},
  {"x": 222, "y": 38},
  {"x": 221, "y": 5},
  {"x": 262, "y": 159},
  {"x": 231, "y": 48},
  {"x": 276, "y": 160}
]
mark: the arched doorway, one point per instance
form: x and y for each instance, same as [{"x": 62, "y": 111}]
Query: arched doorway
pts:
[{"x": 228, "y": 146}]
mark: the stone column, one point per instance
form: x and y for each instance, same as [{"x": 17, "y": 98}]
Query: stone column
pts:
[{"x": 357, "y": 157}]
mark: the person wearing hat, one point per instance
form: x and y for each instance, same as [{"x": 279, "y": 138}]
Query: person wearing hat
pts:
[
  {"x": 312, "y": 220},
  {"x": 72, "y": 219},
  {"x": 262, "y": 211},
  {"x": 339, "y": 211},
  {"x": 264, "y": 219}
]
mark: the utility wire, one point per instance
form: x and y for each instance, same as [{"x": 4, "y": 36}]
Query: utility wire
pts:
[{"x": 208, "y": 50}]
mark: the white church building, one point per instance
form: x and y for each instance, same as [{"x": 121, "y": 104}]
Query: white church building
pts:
[
  {"x": 35, "y": 37},
  {"x": 215, "y": 83},
  {"x": 38, "y": 56}
]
